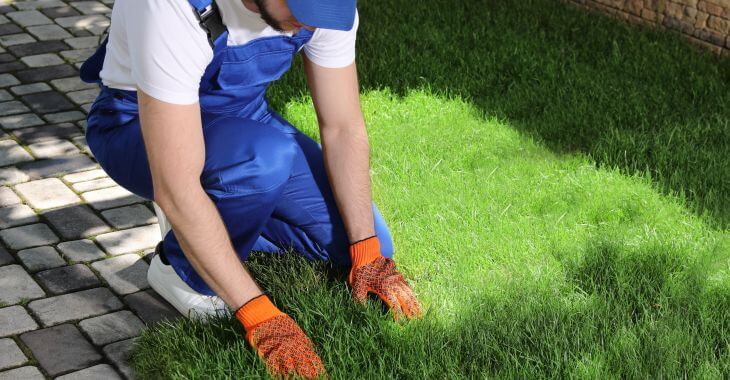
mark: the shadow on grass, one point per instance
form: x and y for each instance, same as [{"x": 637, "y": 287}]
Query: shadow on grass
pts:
[
  {"x": 641, "y": 100},
  {"x": 624, "y": 312}
]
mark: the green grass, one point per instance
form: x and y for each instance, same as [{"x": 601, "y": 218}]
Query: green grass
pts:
[{"x": 556, "y": 186}]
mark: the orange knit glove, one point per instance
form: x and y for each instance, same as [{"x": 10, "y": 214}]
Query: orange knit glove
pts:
[
  {"x": 277, "y": 338},
  {"x": 373, "y": 273}
]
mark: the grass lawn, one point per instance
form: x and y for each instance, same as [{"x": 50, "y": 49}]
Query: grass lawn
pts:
[{"x": 557, "y": 188}]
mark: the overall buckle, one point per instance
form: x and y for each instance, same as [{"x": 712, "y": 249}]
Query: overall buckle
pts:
[{"x": 210, "y": 20}]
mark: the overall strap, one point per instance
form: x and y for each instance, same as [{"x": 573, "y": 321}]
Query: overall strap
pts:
[
  {"x": 90, "y": 69},
  {"x": 209, "y": 17}
]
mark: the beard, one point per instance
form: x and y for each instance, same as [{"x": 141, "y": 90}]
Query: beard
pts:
[{"x": 266, "y": 15}]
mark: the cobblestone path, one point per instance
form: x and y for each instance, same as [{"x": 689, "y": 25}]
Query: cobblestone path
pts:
[{"x": 74, "y": 245}]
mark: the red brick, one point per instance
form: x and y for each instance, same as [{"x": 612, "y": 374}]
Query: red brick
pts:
[
  {"x": 701, "y": 20},
  {"x": 648, "y": 15},
  {"x": 719, "y": 24},
  {"x": 674, "y": 10},
  {"x": 710, "y": 8}
]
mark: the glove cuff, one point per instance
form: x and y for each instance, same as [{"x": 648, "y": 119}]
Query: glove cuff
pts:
[
  {"x": 258, "y": 309},
  {"x": 365, "y": 251}
]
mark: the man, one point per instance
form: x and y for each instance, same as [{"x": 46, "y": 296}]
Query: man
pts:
[{"x": 182, "y": 119}]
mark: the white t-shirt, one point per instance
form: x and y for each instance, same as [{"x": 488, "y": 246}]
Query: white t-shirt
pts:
[{"x": 159, "y": 46}]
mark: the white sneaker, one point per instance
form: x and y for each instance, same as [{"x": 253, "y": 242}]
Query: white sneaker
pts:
[{"x": 165, "y": 281}]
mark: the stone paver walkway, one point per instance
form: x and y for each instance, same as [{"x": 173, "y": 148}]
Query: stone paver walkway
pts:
[{"x": 74, "y": 245}]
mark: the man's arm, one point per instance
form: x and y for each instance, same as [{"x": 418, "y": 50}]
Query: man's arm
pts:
[
  {"x": 173, "y": 138},
  {"x": 336, "y": 96}
]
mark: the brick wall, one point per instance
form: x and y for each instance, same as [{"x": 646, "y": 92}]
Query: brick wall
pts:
[{"x": 706, "y": 22}]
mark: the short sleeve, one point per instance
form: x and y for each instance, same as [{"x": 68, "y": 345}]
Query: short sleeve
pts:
[
  {"x": 168, "y": 50},
  {"x": 333, "y": 48}
]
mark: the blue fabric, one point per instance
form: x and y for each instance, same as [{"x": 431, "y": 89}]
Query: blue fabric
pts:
[
  {"x": 328, "y": 14},
  {"x": 266, "y": 178},
  {"x": 200, "y": 4}
]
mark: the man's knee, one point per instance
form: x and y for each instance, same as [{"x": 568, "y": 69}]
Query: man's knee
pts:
[
  {"x": 246, "y": 157},
  {"x": 381, "y": 229}
]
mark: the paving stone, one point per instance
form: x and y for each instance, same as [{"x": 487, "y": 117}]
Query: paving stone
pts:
[
  {"x": 67, "y": 279},
  {"x": 112, "y": 327},
  {"x": 39, "y": 48},
  {"x": 37, "y": 4},
  {"x": 85, "y": 176},
  {"x": 16, "y": 39},
  {"x": 130, "y": 240},
  {"x": 17, "y": 215},
  {"x": 90, "y": 7},
  {"x": 9, "y": 29},
  {"x": 129, "y": 216},
  {"x": 79, "y": 32},
  {"x": 60, "y": 349},
  {"x": 73, "y": 306},
  {"x": 83, "y": 96},
  {"x": 151, "y": 307},
  {"x": 64, "y": 11},
  {"x": 12, "y": 66},
  {"x": 22, "y": 373},
  {"x": 96, "y": 30},
  {"x": 42, "y": 74},
  {"x": 30, "y": 88},
  {"x": 29, "y": 18},
  {"x": 83, "y": 42},
  {"x": 78, "y": 55},
  {"x": 47, "y": 193},
  {"x": 125, "y": 274},
  {"x": 55, "y": 166},
  {"x": 71, "y": 84},
  {"x": 100, "y": 371},
  {"x": 81, "y": 142},
  {"x": 42, "y": 60},
  {"x": 15, "y": 320},
  {"x": 8, "y": 197},
  {"x": 110, "y": 197},
  {"x": 28, "y": 236},
  {"x": 12, "y": 107},
  {"x": 75, "y": 222},
  {"x": 6, "y": 57},
  {"x": 119, "y": 354},
  {"x": 20, "y": 121},
  {"x": 48, "y": 32},
  {"x": 5, "y": 95},
  {"x": 85, "y": 21},
  {"x": 5, "y": 257},
  {"x": 10, "y": 354},
  {"x": 95, "y": 184},
  {"x": 8, "y": 80},
  {"x": 53, "y": 148},
  {"x": 4, "y": 20},
  {"x": 11, "y": 152},
  {"x": 45, "y": 102},
  {"x": 60, "y": 117},
  {"x": 32, "y": 135},
  {"x": 16, "y": 284},
  {"x": 12, "y": 175},
  {"x": 81, "y": 250},
  {"x": 40, "y": 258},
  {"x": 147, "y": 254}
]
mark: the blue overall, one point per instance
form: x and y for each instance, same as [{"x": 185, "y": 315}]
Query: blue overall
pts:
[{"x": 266, "y": 178}]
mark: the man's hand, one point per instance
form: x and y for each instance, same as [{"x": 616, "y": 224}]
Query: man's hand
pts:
[
  {"x": 373, "y": 273},
  {"x": 278, "y": 340}
]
